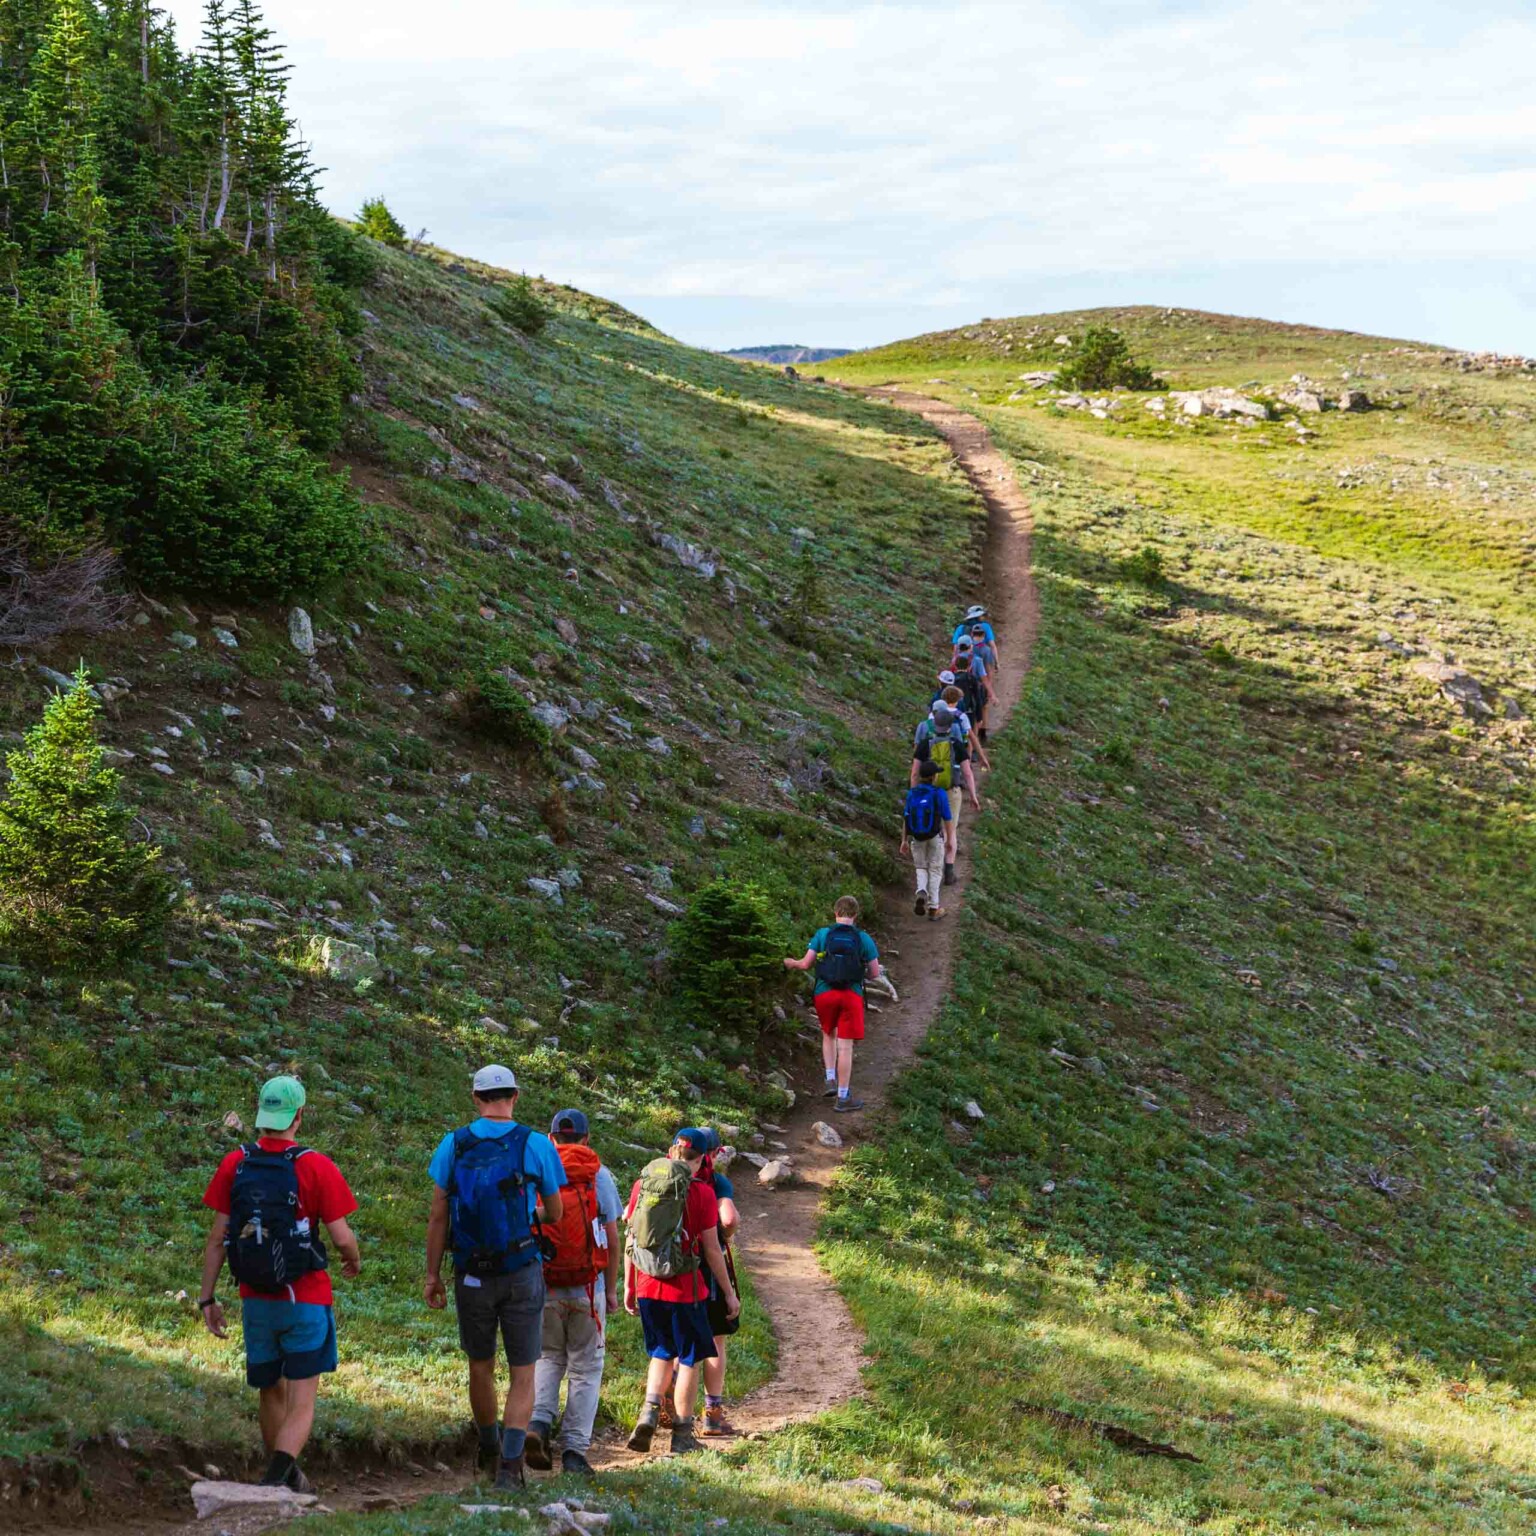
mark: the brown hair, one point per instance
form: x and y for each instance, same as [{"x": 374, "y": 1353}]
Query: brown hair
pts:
[
  {"x": 847, "y": 906},
  {"x": 951, "y": 695}
]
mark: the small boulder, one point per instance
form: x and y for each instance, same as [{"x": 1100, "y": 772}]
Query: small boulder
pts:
[
  {"x": 974, "y": 1110},
  {"x": 775, "y": 1174},
  {"x": 826, "y": 1135},
  {"x": 551, "y": 717},
  {"x": 567, "y": 631},
  {"x": 183, "y": 641},
  {"x": 227, "y": 638},
  {"x": 344, "y": 961},
  {"x": 550, "y": 890},
  {"x": 301, "y": 632},
  {"x": 1354, "y": 400},
  {"x": 211, "y": 1499}
]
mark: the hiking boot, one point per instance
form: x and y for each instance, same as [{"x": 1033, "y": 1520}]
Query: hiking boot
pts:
[
  {"x": 949, "y": 874},
  {"x": 665, "y": 1417},
  {"x": 510, "y": 1476},
  {"x": 683, "y": 1438},
  {"x": 642, "y": 1434},
  {"x": 715, "y": 1423},
  {"x": 574, "y": 1464},
  {"x": 487, "y": 1460},
  {"x": 849, "y": 1105},
  {"x": 920, "y": 906},
  {"x": 830, "y": 1091},
  {"x": 935, "y": 913},
  {"x": 296, "y": 1482},
  {"x": 536, "y": 1447}
]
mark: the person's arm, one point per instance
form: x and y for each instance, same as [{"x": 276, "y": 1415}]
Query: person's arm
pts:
[
  {"x": 551, "y": 1207},
  {"x": 437, "y": 1241},
  {"x": 213, "y": 1262},
  {"x": 611, "y": 1274},
  {"x": 912, "y": 777},
  {"x": 631, "y": 1305},
  {"x": 730, "y": 1218},
  {"x": 714, "y": 1256},
  {"x": 804, "y": 963},
  {"x": 346, "y": 1245},
  {"x": 970, "y": 783}
]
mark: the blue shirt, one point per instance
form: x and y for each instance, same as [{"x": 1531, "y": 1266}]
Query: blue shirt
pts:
[
  {"x": 540, "y": 1161},
  {"x": 967, "y": 625},
  {"x": 866, "y": 949},
  {"x": 606, "y": 1193}
]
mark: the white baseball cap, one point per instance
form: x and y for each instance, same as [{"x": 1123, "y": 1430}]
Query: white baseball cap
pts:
[
  {"x": 947, "y": 677},
  {"x": 487, "y": 1079}
]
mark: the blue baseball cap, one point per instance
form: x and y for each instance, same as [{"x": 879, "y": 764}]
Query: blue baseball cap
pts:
[
  {"x": 569, "y": 1122},
  {"x": 701, "y": 1141}
]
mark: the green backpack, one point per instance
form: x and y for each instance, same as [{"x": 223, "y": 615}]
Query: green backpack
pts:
[
  {"x": 659, "y": 1245},
  {"x": 942, "y": 750}
]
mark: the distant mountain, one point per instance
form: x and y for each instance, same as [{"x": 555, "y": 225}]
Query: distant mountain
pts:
[{"x": 788, "y": 354}]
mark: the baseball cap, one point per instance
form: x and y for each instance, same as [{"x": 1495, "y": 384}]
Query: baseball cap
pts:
[
  {"x": 943, "y": 716},
  {"x": 569, "y": 1122},
  {"x": 279, "y": 1104},
  {"x": 487, "y": 1079},
  {"x": 696, "y": 1138},
  {"x": 976, "y": 611},
  {"x": 964, "y": 643},
  {"x": 946, "y": 677}
]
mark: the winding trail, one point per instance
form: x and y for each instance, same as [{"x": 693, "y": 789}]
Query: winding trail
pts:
[{"x": 821, "y": 1350}]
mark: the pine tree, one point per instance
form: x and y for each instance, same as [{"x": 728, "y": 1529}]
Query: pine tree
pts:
[{"x": 74, "y": 884}]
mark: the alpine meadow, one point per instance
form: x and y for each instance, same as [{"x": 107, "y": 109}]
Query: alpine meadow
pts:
[{"x": 418, "y": 668}]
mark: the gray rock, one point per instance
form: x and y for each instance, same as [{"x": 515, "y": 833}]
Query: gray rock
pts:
[
  {"x": 243, "y": 778},
  {"x": 1305, "y": 400},
  {"x": 562, "y": 488},
  {"x": 570, "y": 879},
  {"x": 344, "y": 961},
  {"x": 660, "y": 878},
  {"x": 873, "y": 1484},
  {"x": 826, "y": 1135},
  {"x": 481, "y": 831},
  {"x": 1354, "y": 400},
  {"x": 974, "y": 1110},
  {"x": 550, "y": 890},
  {"x": 1513, "y": 711},
  {"x": 661, "y": 904},
  {"x": 776, "y": 1174},
  {"x": 301, "y": 632},
  {"x": 567, "y": 631},
  {"x": 182, "y": 640},
  {"x": 1458, "y": 685},
  {"x": 216, "y": 1498},
  {"x": 399, "y": 823},
  {"x": 227, "y": 638},
  {"x": 689, "y": 555},
  {"x": 551, "y": 717},
  {"x": 697, "y": 827},
  {"x": 584, "y": 760},
  {"x": 467, "y": 402},
  {"x": 495, "y": 1026},
  {"x": 657, "y": 746}
]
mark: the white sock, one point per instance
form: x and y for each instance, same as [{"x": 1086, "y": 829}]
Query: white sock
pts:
[{"x": 831, "y": 1077}]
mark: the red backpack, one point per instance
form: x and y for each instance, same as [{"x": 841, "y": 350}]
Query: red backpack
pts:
[{"x": 577, "y": 1259}]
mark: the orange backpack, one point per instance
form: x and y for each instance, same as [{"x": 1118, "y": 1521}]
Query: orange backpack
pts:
[{"x": 577, "y": 1259}]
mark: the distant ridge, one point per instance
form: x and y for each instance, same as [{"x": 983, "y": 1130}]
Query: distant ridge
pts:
[{"x": 787, "y": 354}]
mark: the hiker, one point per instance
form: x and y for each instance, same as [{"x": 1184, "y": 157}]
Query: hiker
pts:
[
  {"x": 721, "y": 1326},
  {"x": 581, "y": 1282},
  {"x": 973, "y": 700},
  {"x": 495, "y": 1184},
  {"x": 976, "y": 617},
  {"x": 674, "y": 1218},
  {"x": 928, "y": 829},
  {"x": 268, "y": 1196},
  {"x": 952, "y": 697},
  {"x": 844, "y": 957},
  {"x": 941, "y": 740},
  {"x": 984, "y": 657}
]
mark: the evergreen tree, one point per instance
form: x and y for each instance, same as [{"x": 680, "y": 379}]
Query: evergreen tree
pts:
[
  {"x": 376, "y": 221},
  {"x": 725, "y": 954},
  {"x": 74, "y": 883}
]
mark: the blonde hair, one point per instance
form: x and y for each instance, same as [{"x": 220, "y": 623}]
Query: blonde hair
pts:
[{"x": 847, "y": 906}]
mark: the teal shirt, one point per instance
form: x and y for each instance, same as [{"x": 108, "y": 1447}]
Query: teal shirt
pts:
[{"x": 866, "y": 947}]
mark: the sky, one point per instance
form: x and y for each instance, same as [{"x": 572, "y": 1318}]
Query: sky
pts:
[{"x": 843, "y": 175}]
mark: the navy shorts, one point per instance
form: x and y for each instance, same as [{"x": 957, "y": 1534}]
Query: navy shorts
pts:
[
  {"x": 284, "y": 1339},
  {"x": 677, "y": 1330}
]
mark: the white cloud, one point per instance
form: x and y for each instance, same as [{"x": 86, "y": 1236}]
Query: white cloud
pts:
[{"x": 841, "y": 155}]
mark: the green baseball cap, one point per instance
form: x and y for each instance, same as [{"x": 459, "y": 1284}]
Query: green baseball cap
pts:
[{"x": 279, "y": 1104}]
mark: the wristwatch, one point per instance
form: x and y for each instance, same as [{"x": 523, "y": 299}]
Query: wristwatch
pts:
[{"x": 212, "y": 1301}]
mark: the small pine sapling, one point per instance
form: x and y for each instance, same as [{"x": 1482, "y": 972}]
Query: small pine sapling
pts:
[
  {"x": 520, "y": 306},
  {"x": 376, "y": 221},
  {"x": 75, "y": 885},
  {"x": 726, "y": 955}
]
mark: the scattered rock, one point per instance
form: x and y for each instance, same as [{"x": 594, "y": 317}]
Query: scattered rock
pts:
[
  {"x": 214, "y": 1498},
  {"x": 183, "y": 641},
  {"x": 64, "y": 682},
  {"x": 775, "y": 1174},
  {"x": 584, "y": 760},
  {"x": 567, "y": 631},
  {"x": 467, "y": 402},
  {"x": 687, "y": 554},
  {"x": 495, "y": 1026},
  {"x": 1458, "y": 685},
  {"x": 873, "y": 1484},
  {"x": 1354, "y": 400},
  {"x": 974, "y": 1110},
  {"x": 301, "y": 632},
  {"x": 826, "y": 1135},
  {"x": 1220, "y": 401},
  {"x": 227, "y": 638},
  {"x": 562, "y": 488},
  {"x": 657, "y": 746},
  {"x": 661, "y": 904},
  {"x": 550, "y": 890},
  {"x": 551, "y": 717},
  {"x": 344, "y": 961},
  {"x": 570, "y": 879}
]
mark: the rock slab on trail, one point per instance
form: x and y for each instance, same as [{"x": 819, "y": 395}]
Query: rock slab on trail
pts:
[{"x": 218, "y": 1498}]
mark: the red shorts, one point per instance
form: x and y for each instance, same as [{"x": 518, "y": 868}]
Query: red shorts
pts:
[{"x": 841, "y": 1012}]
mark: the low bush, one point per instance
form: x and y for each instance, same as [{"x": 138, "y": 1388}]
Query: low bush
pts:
[
  {"x": 1101, "y": 359},
  {"x": 727, "y": 956},
  {"x": 522, "y": 308},
  {"x": 376, "y": 221},
  {"x": 1145, "y": 567},
  {"x": 487, "y": 703},
  {"x": 74, "y": 884}
]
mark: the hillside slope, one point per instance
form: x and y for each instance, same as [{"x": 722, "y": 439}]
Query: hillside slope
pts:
[{"x": 632, "y": 534}]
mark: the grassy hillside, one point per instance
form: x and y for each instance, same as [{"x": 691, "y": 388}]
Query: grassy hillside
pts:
[
  {"x": 614, "y": 525},
  {"x": 1243, "y": 992}
]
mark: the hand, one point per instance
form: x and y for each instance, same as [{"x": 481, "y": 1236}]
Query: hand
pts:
[
  {"x": 903, "y": 849},
  {"x": 791, "y": 963},
  {"x": 732, "y": 1304},
  {"x": 352, "y": 1267},
  {"x": 433, "y": 1293},
  {"x": 631, "y": 1305},
  {"x": 213, "y": 1320}
]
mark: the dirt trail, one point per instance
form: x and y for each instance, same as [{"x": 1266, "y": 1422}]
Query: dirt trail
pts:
[{"x": 820, "y": 1346}]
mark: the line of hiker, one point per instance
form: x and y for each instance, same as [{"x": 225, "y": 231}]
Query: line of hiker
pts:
[{"x": 531, "y": 1225}]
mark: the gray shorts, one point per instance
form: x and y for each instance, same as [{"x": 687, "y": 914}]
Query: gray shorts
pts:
[{"x": 512, "y": 1305}]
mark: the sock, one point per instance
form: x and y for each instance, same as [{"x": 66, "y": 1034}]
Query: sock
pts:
[
  {"x": 842, "y": 1093},
  {"x": 678, "y": 1424},
  {"x": 831, "y": 1077},
  {"x": 490, "y": 1436},
  {"x": 512, "y": 1443},
  {"x": 278, "y": 1469},
  {"x": 652, "y": 1410},
  {"x": 714, "y": 1399}
]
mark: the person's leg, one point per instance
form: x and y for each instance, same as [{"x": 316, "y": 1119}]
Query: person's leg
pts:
[
  {"x": 695, "y": 1345},
  {"x": 844, "y": 1067},
  {"x": 685, "y": 1394},
  {"x": 933, "y": 868},
  {"x": 299, "y": 1419},
  {"x": 520, "y": 1315},
  {"x": 475, "y": 1307},
  {"x": 272, "y": 1410},
  {"x": 714, "y": 1370},
  {"x": 850, "y": 1029},
  {"x": 586, "y": 1349},
  {"x": 518, "y": 1409},
  {"x": 547, "y": 1376},
  {"x": 826, "y": 1014},
  {"x": 482, "y": 1391},
  {"x": 306, "y": 1337}
]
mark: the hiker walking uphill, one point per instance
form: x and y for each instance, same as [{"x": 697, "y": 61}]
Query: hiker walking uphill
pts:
[
  {"x": 928, "y": 829},
  {"x": 494, "y": 1183},
  {"x": 940, "y": 740},
  {"x": 843, "y": 957},
  {"x": 581, "y": 1278},
  {"x": 268, "y": 1198},
  {"x": 673, "y": 1217}
]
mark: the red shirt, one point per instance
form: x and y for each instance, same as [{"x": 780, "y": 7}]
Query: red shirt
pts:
[
  {"x": 323, "y": 1196},
  {"x": 701, "y": 1214}
]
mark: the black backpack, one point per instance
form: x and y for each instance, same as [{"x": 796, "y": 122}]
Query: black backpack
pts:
[
  {"x": 970, "y": 694},
  {"x": 267, "y": 1246},
  {"x": 841, "y": 964}
]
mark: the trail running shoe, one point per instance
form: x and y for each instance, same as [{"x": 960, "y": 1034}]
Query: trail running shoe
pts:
[
  {"x": 849, "y": 1105},
  {"x": 510, "y": 1476},
  {"x": 536, "y": 1447},
  {"x": 830, "y": 1091},
  {"x": 920, "y": 905},
  {"x": 574, "y": 1464},
  {"x": 949, "y": 874},
  {"x": 716, "y": 1424},
  {"x": 935, "y": 913},
  {"x": 683, "y": 1438},
  {"x": 641, "y": 1435}
]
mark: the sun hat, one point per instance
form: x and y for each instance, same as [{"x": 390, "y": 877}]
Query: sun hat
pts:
[
  {"x": 976, "y": 611},
  {"x": 279, "y": 1104},
  {"x": 488, "y": 1079},
  {"x": 569, "y": 1122}
]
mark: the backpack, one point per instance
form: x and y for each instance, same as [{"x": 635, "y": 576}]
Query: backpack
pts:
[
  {"x": 970, "y": 693},
  {"x": 841, "y": 962},
  {"x": 941, "y": 749},
  {"x": 267, "y": 1244},
  {"x": 922, "y": 814},
  {"x": 575, "y": 1257},
  {"x": 659, "y": 1243},
  {"x": 488, "y": 1203}
]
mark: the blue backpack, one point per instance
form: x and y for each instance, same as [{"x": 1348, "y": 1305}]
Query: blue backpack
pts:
[
  {"x": 267, "y": 1245},
  {"x": 488, "y": 1201},
  {"x": 922, "y": 814}
]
